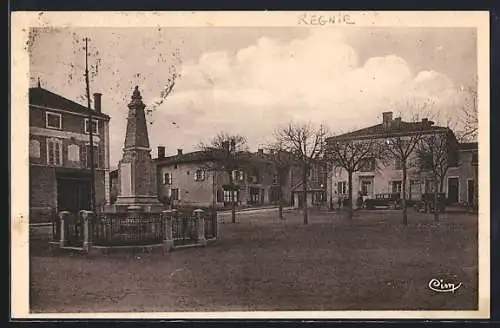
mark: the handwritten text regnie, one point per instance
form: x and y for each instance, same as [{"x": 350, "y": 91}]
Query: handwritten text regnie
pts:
[{"x": 331, "y": 19}]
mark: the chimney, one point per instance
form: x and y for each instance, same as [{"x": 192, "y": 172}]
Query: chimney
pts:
[
  {"x": 97, "y": 102},
  {"x": 161, "y": 151},
  {"x": 425, "y": 121},
  {"x": 179, "y": 152},
  {"x": 397, "y": 121},
  {"x": 260, "y": 151},
  {"x": 386, "y": 119}
]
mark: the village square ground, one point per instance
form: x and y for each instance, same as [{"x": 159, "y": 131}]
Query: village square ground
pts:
[{"x": 263, "y": 264}]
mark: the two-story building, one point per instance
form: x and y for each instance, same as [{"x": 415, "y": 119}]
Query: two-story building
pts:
[
  {"x": 59, "y": 154},
  {"x": 196, "y": 179},
  {"x": 379, "y": 175}
]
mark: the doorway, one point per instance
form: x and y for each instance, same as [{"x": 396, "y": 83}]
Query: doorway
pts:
[
  {"x": 470, "y": 191},
  {"x": 453, "y": 190},
  {"x": 73, "y": 195}
]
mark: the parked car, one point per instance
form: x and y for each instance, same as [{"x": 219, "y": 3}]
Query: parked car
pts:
[{"x": 391, "y": 200}]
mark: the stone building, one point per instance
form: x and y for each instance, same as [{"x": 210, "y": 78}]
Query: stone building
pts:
[
  {"x": 59, "y": 154},
  {"x": 379, "y": 176},
  {"x": 462, "y": 180},
  {"x": 189, "y": 179}
]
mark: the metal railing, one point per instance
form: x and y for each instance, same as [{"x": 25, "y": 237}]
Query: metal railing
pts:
[
  {"x": 171, "y": 228},
  {"x": 124, "y": 229}
]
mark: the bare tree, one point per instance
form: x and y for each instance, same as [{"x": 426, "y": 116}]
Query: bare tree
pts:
[
  {"x": 306, "y": 142},
  {"x": 230, "y": 155},
  {"x": 282, "y": 161},
  {"x": 350, "y": 155},
  {"x": 469, "y": 118},
  {"x": 436, "y": 153}
]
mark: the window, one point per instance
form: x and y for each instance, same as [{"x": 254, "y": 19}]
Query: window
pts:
[
  {"x": 174, "y": 194},
  {"x": 73, "y": 153},
  {"x": 53, "y": 120},
  {"x": 54, "y": 151},
  {"x": 34, "y": 148},
  {"x": 199, "y": 175},
  {"x": 238, "y": 175},
  {"x": 367, "y": 165},
  {"x": 86, "y": 156},
  {"x": 342, "y": 188},
  {"x": 230, "y": 196},
  {"x": 397, "y": 186},
  {"x": 275, "y": 179},
  {"x": 398, "y": 164},
  {"x": 95, "y": 126},
  {"x": 167, "y": 178}
]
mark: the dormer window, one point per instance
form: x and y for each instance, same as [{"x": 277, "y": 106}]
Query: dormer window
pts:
[
  {"x": 53, "y": 120},
  {"x": 95, "y": 126}
]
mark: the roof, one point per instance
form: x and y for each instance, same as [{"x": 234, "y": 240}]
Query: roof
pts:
[
  {"x": 468, "y": 146},
  {"x": 192, "y": 157},
  {"x": 401, "y": 128},
  {"x": 43, "y": 97},
  {"x": 211, "y": 155}
]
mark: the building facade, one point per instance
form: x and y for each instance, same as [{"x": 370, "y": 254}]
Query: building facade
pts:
[
  {"x": 59, "y": 154},
  {"x": 379, "y": 175},
  {"x": 195, "y": 179}
]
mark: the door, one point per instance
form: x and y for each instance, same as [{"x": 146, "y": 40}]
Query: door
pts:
[
  {"x": 73, "y": 195},
  {"x": 366, "y": 186},
  {"x": 453, "y": 190},
  {"x": 470, "y": 192}
]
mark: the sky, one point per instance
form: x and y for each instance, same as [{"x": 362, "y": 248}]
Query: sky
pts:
[{"x": 250, "y": 81}]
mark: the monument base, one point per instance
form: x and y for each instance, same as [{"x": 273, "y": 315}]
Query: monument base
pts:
[{"x": 134, "y": 203}]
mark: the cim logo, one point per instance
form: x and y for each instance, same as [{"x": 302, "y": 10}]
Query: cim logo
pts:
[{"x": 439, "y": 285}]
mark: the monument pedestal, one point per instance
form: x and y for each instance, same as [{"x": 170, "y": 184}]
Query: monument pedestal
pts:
[
  {"x": 136, "y": 170},
  {"x": 135, "y": 203}
]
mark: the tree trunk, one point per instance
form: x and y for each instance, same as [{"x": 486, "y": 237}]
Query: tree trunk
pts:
[
  {"x": 436, "y": 209},
  {"x": 233, "y": 201},
  {"x": 349, "y": 200},
  {"x": 280, "y": 208},
  {"x": 403, "y": 198},
  {"x": 304, "y": 196}
]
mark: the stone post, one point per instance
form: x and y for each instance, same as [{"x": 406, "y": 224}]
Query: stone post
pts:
[
  {"x": 87, "y": 218},
  {"x": 168, "y": 217},
  {"x": 200, "y": 217},
  {"x": 63, "y": 215}
]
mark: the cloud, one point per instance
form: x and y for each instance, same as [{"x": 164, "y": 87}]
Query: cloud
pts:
[
  {"x": 317, "y": 78},
  {"x": 248, "y": 90}
]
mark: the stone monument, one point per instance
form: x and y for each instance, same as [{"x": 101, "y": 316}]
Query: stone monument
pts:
[{"x": 136, "y": 170}]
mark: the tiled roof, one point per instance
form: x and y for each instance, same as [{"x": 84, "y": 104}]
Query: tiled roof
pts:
[
  {"x": 211, "y": 155},
  {"x": 192, "y": 157},
  {"x": 46, "y": 98},
  {"x": 468, "y": 146},
  {"x": 399, "y": 128}
]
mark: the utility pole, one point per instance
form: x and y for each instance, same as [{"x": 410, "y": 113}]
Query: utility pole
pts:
[{"x": 91, "y": 130}]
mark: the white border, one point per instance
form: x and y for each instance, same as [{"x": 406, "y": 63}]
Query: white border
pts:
[{"x": 22, "y": 21}]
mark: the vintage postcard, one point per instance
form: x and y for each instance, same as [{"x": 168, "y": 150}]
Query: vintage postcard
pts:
[{"x": 301, "y": 165}]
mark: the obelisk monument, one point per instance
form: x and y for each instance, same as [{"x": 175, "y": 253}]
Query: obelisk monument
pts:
[{"x": 136, "y": 170}]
